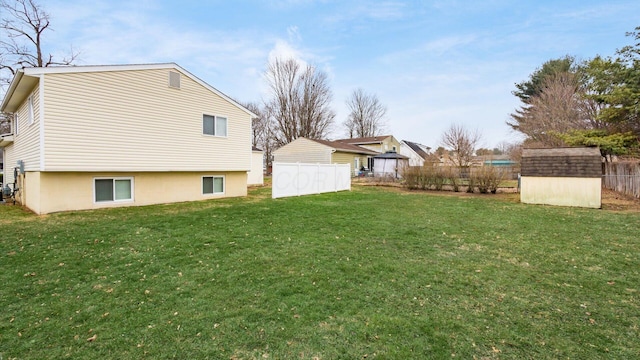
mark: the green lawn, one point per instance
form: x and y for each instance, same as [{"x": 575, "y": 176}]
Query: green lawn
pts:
[{"x": 371, "y": 273}]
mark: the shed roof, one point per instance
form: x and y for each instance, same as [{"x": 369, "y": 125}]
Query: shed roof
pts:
[
  {"x": 562, "y": 162},
  {"x": 572, "y": 151}
]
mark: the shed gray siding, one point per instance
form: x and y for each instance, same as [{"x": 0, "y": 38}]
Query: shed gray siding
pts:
[{"x": 562, "y": 162}]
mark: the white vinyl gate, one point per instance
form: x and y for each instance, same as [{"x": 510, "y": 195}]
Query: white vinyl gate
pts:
[{"x": 295, "y": 179}]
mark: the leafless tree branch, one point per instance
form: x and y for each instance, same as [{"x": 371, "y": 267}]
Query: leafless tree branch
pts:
[
  {"x": 462, "y": 142},
  {"x": 557, "y": 109},
  {"x": 299, "y": 102},
  {"x": 366, "y": 115}
]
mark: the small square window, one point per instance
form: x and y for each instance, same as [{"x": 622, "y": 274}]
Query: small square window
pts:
[{"x": 214, "y": 125}]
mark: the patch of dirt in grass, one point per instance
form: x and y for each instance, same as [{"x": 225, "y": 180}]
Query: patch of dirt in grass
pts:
[{"x": 612, "y": 200}]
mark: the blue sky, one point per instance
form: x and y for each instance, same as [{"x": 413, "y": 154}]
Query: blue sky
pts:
[{"x": 432, "y": 63}]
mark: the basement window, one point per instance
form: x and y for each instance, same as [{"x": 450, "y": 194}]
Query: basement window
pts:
[
  {"x": 113, "y": 189},
  {"x": 212, "y": 185}
]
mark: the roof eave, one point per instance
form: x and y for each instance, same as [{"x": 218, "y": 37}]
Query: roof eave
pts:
[
  {"x": 11, "y": 90},
  {"x": 357, "y": 151}
]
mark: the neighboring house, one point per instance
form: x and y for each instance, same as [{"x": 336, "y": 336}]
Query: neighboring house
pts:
[
  {"x": 256, "y": 175},
  {"x": 314, "y": 151},
  {"x": 417, "y": 153},
  {"x": 101, "y": 136},
  {"x": 562, "y": 176},
  {"x": 380, "y": 144}
]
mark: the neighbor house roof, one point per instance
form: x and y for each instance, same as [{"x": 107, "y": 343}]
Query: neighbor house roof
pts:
[
  {"x": 365, "y": 140},
  {"x": 25, "y": 79},
  {"x": 416, "y": 147},
  {"x": 345, "y": 147}
]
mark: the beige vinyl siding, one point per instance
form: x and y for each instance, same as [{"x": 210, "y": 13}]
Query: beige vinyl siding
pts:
[
  {"x": 373, "y": 147},
  {"x": 386, "y": 145},
  {"x": 304, "y": 151},
  {"x": 133, "y": 121},
  {"x": 349, "y": 158},
  {"x": 26, "y": 145},
  {"x": 9, "y": 164},
  {"x": 391, "y": 142}
]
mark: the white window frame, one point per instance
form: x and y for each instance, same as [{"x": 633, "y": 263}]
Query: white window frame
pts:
[
  {"x": 215, "y": 125},
  {"x": 224, "y": 185},
  {"x": 114, "y": 178},
  {"x": 30, "y": 116}
]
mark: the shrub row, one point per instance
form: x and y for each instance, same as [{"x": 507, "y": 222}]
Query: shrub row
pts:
[{"x": 484, "y": 179}]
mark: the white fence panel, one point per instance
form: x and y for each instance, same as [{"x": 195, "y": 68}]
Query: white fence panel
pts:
[{"x": 295, "y": 179}]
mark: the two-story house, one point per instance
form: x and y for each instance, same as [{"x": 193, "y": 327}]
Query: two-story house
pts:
[{"x": 87, "y": 137}]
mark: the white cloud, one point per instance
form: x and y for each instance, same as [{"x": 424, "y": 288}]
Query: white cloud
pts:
[{"x": 284, "y": 50}]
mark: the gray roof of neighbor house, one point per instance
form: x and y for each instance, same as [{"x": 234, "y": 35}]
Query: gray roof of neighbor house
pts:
[
  {"x": 416, "y": 147},
  {"x": 345, "y": 147},
  {"x": 562, "y": 162},
  {"x": 365, "y": 140}
]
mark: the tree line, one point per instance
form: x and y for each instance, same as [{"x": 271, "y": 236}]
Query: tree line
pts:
[{"x": 595, "y": 102}]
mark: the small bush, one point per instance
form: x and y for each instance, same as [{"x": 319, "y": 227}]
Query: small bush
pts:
[
  {"x": 486, "y": 179},
  {"x": 424, "y": 177},
  {"x": 452, "y": 174}
]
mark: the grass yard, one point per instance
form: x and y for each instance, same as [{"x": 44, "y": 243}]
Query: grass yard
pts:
[{"x": 373, "y": 273}]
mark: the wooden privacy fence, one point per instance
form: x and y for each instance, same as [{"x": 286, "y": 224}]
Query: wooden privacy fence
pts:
[
  {"x": 295, "y": 179},
  {"x": 623, "y": 177}
]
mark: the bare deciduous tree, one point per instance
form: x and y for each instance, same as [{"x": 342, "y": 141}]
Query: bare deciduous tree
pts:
[
  {"x": 366, "y": 115},
  {"x": 299, "y": 103},
  {"x": 259, "y": 124},
  {"x": 262, "y": 131},
  {"x": 558, "y": 108},
  {"x": 23, "y": 24},
  {"x": 5, "y": 124},
  {"x": 462, "y": 142}
]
